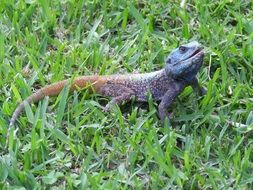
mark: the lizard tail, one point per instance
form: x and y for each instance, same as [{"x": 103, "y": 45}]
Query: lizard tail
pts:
[{"x": 95, "y": 82}]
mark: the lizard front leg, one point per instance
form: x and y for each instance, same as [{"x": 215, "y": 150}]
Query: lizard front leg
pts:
[
  {"x": 196, "y": 87},
  {"x": 167, "y": 100},
  {"x": 119, "y": 93}
]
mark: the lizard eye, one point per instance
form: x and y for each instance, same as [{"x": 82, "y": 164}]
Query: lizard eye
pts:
[{"x": 182, "y": 49}]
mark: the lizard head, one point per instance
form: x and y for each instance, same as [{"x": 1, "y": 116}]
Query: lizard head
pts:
[{"x": 185, "y": 61}]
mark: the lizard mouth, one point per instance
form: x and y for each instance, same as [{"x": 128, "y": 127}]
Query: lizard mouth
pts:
[{"x": 198, "y": 52}]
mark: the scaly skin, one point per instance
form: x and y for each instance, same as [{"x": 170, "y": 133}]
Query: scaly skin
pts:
[{"x": 165, "y": 85}]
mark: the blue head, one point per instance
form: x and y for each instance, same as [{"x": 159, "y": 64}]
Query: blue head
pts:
[{"x": 185, "y": 61}]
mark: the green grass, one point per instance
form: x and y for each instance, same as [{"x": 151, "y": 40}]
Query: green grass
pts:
[{"x": 68, "y": 142}]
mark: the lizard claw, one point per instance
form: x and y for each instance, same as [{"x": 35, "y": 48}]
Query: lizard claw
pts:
[
  {"x": 164, "y": 114},
  {"x": 107, "y": 108},
  {"x": 169, "y": 116},
  {"x": 202, "y": 91}
]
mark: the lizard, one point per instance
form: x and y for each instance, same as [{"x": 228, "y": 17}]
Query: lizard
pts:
[{"x": 181, "y": 67}]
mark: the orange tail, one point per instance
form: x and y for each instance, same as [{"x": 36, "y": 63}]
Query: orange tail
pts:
[{"x": 95, "y": 82}]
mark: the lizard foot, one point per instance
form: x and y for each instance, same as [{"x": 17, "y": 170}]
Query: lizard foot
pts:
[
  {"x": 202, "y": 91},
  {"x": 107, "y": 108}
]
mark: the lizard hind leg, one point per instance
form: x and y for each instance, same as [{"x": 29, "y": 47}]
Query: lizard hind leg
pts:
[{"x": 119, "y": 94}]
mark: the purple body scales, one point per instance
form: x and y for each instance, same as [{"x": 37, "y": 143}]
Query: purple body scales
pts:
[{"x": 157, "y": 83}]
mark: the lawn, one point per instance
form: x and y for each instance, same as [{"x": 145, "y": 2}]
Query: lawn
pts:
[{"x": 68, "y": 142}]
